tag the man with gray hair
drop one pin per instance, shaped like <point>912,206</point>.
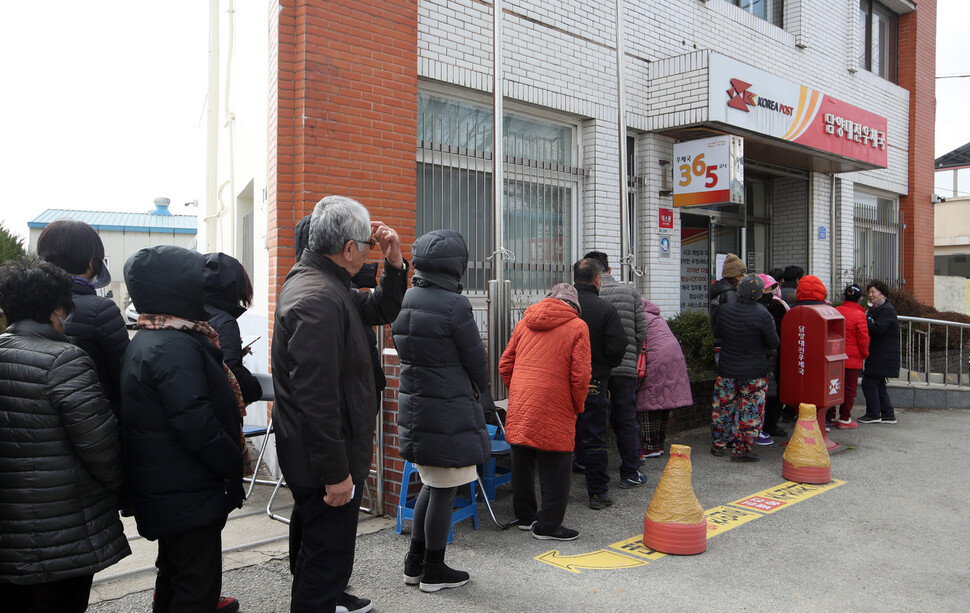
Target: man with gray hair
<point>324,414</point>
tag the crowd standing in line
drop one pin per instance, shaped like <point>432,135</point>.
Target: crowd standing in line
<point>179,390</point>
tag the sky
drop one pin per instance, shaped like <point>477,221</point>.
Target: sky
<point>102,103</point>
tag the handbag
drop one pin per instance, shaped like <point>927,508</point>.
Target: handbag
<point>642,364</point>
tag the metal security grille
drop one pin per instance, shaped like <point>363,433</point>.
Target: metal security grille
<point>454,161</point>
<point>878,232</point>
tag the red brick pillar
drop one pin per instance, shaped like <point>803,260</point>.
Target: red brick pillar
<point>343,119</point>
<point>917,73</point>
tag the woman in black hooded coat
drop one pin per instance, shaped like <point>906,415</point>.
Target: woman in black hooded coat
<point>444,381</point>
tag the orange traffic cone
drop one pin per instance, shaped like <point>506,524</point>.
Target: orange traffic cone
<point>806,459</point>
<point>675,522</point>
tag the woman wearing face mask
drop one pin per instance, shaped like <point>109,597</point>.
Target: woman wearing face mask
<point>883,358</point>
<point>96,324</point>
<point>60,454</point>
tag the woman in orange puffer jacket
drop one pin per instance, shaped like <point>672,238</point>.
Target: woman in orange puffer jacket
<point>547,368</point>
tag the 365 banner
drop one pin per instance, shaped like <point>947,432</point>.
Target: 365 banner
<point>709,171</point>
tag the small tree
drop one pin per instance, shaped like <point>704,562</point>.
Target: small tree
<point>11,245</point>
<point>693,331</point>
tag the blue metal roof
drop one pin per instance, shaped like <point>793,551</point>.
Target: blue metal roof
<point>121,222</point>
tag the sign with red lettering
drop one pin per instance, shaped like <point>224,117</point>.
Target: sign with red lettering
<point>750,98</point>
<point>667,218</point>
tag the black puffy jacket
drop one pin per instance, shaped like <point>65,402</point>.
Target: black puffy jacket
<point>97,327</point>
<point>607,338</point>
<point>181,420</point>
<point>444,367</point>
<point>883,360</point>
<point>60,461</point>
<point>224,280</point>
<point>747,333</point>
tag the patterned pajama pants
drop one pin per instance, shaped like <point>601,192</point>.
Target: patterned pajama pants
<point>739,404</point>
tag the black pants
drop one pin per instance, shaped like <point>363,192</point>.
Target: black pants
<point>65,596</point>
<point>623,420</point>
<point>553,468</point>
<point>189,571</point>
<point>591,428</point>
<point>326,558</point>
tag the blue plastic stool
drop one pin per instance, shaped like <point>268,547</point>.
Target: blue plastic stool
<point>464,507</point>
<point>494,475</point>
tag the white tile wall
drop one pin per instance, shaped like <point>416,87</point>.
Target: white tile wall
<point>560,55</point>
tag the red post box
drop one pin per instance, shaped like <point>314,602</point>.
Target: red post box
<point>812,356</point>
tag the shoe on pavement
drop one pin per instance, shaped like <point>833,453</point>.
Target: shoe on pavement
<point>559,534</point>
<point>888,420</point>
<point>718,451</point>
<point>527,525</point>
<point>348,603</point>
<point>640,479</point>
<point>227,605</point>
<point>654,454</point>
<point>865,419</point>
<point>763,439</point>
<point>745,457</point>
<point>776,431</point>
<point>845,424</point>
<point>413,567</point>
<point>600,501</point>
<point>439,576</point>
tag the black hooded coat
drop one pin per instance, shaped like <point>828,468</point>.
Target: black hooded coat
<point>180,417</point>
<point>224,281</point>
<point>444,367</point>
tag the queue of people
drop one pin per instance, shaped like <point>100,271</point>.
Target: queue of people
<point>153,426</point>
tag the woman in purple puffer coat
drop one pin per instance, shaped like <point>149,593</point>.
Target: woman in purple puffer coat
<point>665,386</point>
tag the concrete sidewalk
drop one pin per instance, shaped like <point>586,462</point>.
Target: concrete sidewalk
<point>890,538</point>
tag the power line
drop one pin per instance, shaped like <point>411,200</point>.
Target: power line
<point>954,76</point>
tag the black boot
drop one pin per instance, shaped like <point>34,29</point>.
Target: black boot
<point>414,563</point>
<point>437,575</point>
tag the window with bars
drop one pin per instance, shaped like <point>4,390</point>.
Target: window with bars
<point>454,177</point>
<point>877,231</point>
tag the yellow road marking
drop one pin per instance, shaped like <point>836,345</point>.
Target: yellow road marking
<point>601,559</point>
<point>720,519</point>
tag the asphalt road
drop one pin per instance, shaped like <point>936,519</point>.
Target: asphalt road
<point>892,537</point>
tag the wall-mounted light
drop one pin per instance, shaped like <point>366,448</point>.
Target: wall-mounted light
<point>937,198</point>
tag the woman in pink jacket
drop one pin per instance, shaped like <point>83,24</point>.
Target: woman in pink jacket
<point>856,347</point>
<point>665,386</point>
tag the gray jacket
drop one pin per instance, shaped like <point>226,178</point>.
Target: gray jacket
<point>626,300</point>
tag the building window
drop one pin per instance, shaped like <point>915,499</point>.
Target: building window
<point>878,36</point>
<point>877,230</point>
<point>454,178</point>
<point>769,10</point>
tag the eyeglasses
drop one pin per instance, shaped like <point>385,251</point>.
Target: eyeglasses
<point>371,243</point>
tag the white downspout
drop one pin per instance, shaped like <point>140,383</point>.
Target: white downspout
<point>212,130</point>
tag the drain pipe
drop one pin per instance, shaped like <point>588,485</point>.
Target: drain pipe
<point>832,234</point>
<point>212,130</point>
<point>626,260</point>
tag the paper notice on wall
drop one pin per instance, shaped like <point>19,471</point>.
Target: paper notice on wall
<point>719,266</point>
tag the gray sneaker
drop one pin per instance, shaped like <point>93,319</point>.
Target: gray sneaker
<point>640,479</point>
<point>600,501</point>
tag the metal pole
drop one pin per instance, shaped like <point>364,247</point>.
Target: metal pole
<point>626,263</point>
<point>499,289</point>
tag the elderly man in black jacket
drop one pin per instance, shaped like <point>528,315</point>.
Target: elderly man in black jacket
<point>607,342</point>
<point>60,454</point>
<point>747,333</point>
<point>325,399</point>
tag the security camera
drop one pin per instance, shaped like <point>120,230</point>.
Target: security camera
<point>937,198</point>
<point>192,203</point>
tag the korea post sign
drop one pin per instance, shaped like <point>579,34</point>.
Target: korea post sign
<point>709,171</point>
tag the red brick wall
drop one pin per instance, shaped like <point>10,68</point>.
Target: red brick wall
<point>343,119</point>
<point>917,73</point>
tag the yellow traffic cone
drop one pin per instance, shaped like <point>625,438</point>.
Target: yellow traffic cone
<point>675,522</point>
<point>806,459</point>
